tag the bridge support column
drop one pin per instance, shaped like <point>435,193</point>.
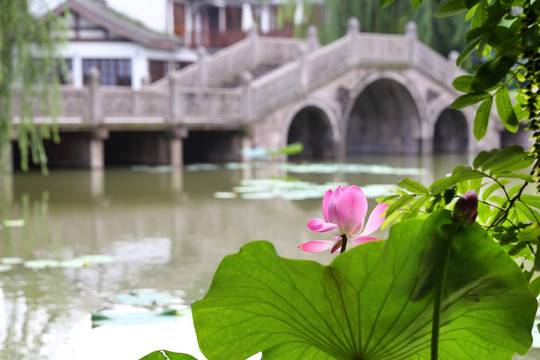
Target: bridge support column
<point>175,144</point>
<point>96,153</point>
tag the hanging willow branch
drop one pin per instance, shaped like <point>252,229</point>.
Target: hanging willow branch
<point>30,40</point>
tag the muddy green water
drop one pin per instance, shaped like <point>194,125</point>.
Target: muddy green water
<point>167,233</point>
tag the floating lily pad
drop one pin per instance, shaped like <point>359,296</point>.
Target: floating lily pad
<point>161,169</point>
<point>199,167</point>
<point>291,189</point>
<point>11,260</point>
<point>42,264</point>
<point>225,195</point>
<point>95,259</point>
<point>142,317</point>
<point>14,223</point>
<point>4,267</point>
<point>350,169</point>
<point>146,298</point>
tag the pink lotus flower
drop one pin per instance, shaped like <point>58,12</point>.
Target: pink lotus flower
<point>344,211</point>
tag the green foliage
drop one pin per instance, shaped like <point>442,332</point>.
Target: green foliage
<point>291,149</point>
<point>505,34</point>
<point>444,35</point>
<point>374,301</point>
<point>509,215</point>
<point>29,49</point>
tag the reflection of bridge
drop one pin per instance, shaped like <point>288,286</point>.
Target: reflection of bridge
<point>362,93</point>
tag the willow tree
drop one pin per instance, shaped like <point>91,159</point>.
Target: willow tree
<point>331,16</point>
<point>29,46</point>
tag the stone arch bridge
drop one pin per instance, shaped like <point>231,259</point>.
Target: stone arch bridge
<point>363,93</point>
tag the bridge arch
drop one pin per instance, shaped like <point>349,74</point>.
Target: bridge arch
<point>385,117</point>
<point>450,132</point>
<point>315,125</point>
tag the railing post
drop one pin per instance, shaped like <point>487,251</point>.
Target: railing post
<point>411,33</point>
<point>203,66</point>
<point>247,80</point>
<point>302,63</point>
<point>353,32</point>
<point>94,96</point>
<point>175,109</point>
<point>313,38</point>
<point>454,69</point>
<point>253,39</point>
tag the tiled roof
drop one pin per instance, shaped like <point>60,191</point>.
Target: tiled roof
<point>101,15</point>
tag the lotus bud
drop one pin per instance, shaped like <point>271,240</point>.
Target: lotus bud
<point>466,208</point>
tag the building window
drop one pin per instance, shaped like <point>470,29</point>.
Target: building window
<point>234,18</point>
<point>181,64</point>
<point>115,72</point>
<point>64,71</point>
<point>157,69</point>
<point>213,18</point>
<point>179,16</point>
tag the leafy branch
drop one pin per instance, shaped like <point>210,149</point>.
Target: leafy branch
<point>512,219</point>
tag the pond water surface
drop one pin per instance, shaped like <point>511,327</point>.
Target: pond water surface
<point>162,233</point>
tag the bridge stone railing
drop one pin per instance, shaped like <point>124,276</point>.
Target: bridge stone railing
<point>187,96</point>
<point>307,69</point>
<point>267,92</point>
<point>211,70</point>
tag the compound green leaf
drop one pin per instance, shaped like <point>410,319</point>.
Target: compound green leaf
<point>468,100</point>
<point>481,120</point>
<point>361,305</point>
<point>531,200</point>
<point>451,8</point>
<point>463,83</point>
<point>508,159</point>
<point>460,173</point>
<point>413,186</point>
<point>506,110</point>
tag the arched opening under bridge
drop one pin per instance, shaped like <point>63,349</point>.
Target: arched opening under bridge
<point>311,127</point>
<point>451,133</point>
<point>383,120</point>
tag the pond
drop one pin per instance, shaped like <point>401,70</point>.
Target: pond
<point>128,243</point>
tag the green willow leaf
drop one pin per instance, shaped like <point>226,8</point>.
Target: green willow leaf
<point>481,120</point>
<point>506,110</point>
<point>167,355</point>
<point>361,306</point>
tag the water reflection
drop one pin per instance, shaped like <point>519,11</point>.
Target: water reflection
<point>165,228</point>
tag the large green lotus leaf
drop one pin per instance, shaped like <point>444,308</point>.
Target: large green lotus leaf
<point>167,355</point>
<point>375,301</point>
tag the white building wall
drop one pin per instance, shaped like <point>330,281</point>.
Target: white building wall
<point>107,50</point>
<point>139,56</point>
<point>152,13</point>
